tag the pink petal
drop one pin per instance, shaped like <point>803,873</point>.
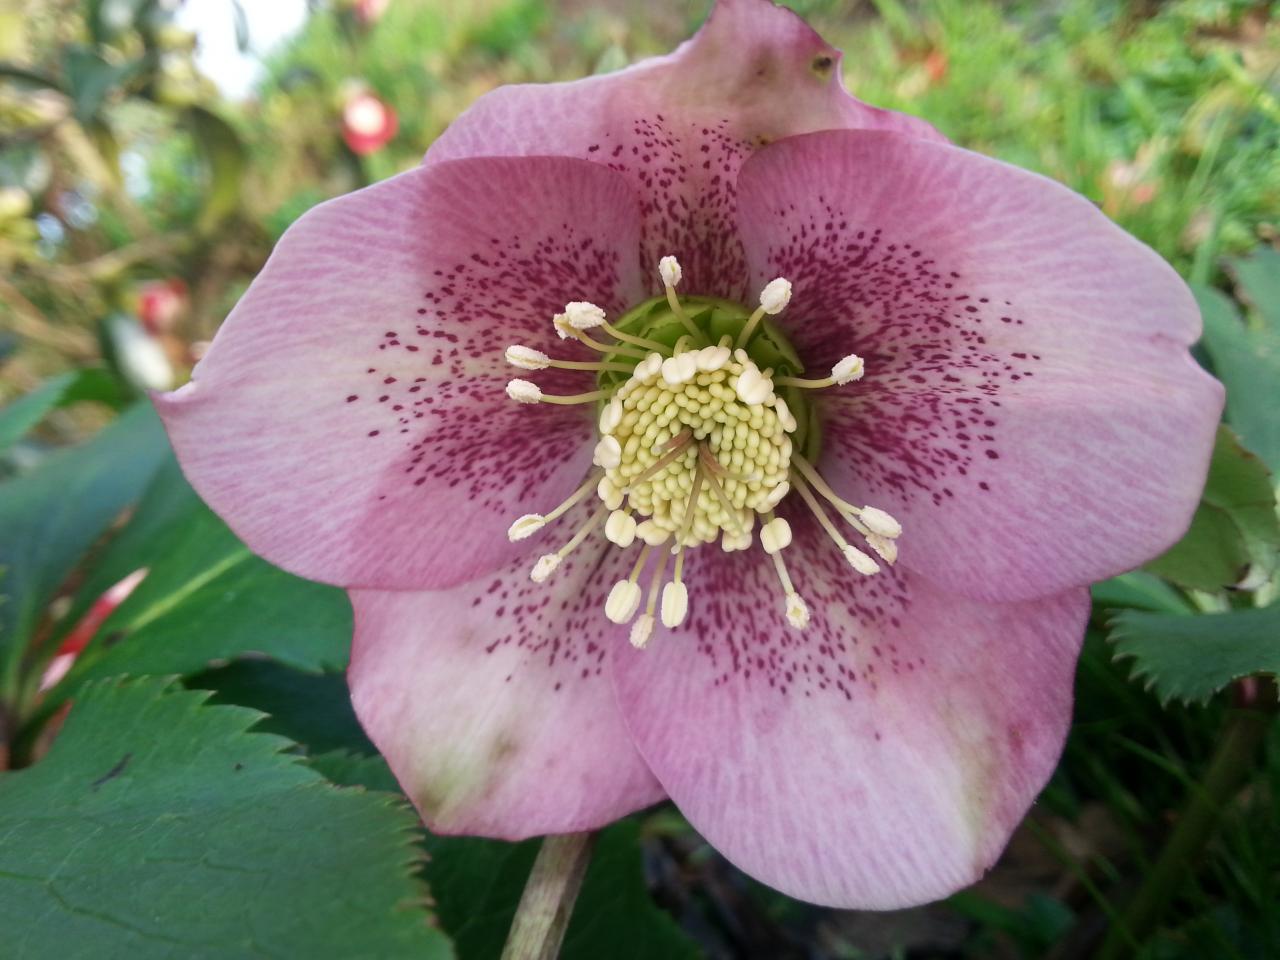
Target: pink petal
<point>881,757</point>
<point>1030,410</point>
<point>350,421</point>
<point>491,702</point>
<point>679,127</point>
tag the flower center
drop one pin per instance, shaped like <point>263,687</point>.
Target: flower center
<point>704,429</point>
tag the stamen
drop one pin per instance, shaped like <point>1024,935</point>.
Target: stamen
<point>608,453</point>
<point>846,371</point>
<point>548,562</point>
<point>566,332</point>
<point>797,612</point>
<point>528,358</point>
<point>625,595</point>
<point>581,315</point>
<point>642,630</point>
<point>609,494</point>
<point>775,535</point>
<point>887,549</point>
<point>753,387</point>
<point>523,391</point>
<point>670,272</point>
<point>855,557</point>
<point>620,528</point>
<point>611,416</point>
<point>773,300</point>
<point>679,369</point>
<point>675,597</point>
<point>531,523</point>
<point>854,515</point>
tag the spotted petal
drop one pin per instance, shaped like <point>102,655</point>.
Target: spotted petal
<point>1030,410</point>
<point>679,127</point>
<point>492,703</point>
<point>878,759</point>
<point>350,421</point>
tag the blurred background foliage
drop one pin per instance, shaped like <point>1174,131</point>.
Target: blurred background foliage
<point>137,201</point>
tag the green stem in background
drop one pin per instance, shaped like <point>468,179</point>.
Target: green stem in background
<point>1244,732</point>
<point>548,898</point>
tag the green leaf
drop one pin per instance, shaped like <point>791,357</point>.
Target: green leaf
<point>205,599</point>
<point>1235,524</point>
<point>158,827</point>
<point>225,159</point>
<point>91,79</point>
<point>477,883</point>
<point>50,516</point>
<point>1141,590</point>
<point>1258,277</point>
<point>1247,360</point>
<point>313,709</point>
<point>22,414</point>
<point>1191,657</point>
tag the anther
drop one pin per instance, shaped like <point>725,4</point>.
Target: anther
<point>669,270</point>
<point>623,601</point>
<point>608,453</point>
<point>775,535</point>
<point>531,523</point>
<point>609,493</point>
<point>773,300</point>
<point>620,528</point>
<point>526,526</point>
<point>880,523</point>
<point>582,315</point>
<point>679,369</point>
<point>524,391</point>
<point>752,386</point>
<point>886,548</point>
<point>545,566</point>
<point>852,555</point>
<point>641,631</point>
<point>675,604</point>
<point>611,416</point>
<point>527,358</point>
<point>624,597</point>
<point>846,371</point>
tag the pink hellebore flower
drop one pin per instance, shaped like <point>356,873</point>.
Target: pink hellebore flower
<point>1008,377</point>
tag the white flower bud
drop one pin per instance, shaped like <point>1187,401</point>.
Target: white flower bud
<point>679,369</point>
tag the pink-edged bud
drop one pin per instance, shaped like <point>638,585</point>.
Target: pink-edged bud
<point>369,12</point>
<point>161,303</point>
<point>368,123</point>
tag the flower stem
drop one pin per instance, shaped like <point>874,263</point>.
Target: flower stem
<point>1244,732</point>
<point>548,898</point>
